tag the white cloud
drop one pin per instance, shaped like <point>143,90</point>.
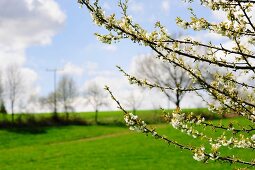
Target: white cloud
<point>25,23</point>
<point>11,55</point>
<point>71,69</point>
<point>165,5</point>
<point>150,99</point>
<point>122,90</point>
<point>29,22</point>
<point>29,78</point>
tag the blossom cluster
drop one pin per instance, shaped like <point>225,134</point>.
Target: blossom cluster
<point>134,123</point>
<point>199,154</point>
<point>180,121</point>
<point>177,119</point>
<point>235,142</point>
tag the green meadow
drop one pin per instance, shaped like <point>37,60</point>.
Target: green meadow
<point>113,117</point>
<point>109,145</point>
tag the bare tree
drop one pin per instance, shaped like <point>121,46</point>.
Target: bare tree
<point>96,97</point>
<point>164,74</point>
<point>13,85</point>
<point>32,104</point>
<point>133,101</point>
<point>66,93</point>
<point>49,102</point>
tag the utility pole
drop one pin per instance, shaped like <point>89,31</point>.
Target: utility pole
<point>55,70</point>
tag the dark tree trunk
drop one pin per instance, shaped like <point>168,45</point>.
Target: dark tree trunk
<point>12,117</point>
<point>55,116</point>
<point>96,115</point>
<point>177,103</point>
<point>12,105</point>
<point>67,114</point>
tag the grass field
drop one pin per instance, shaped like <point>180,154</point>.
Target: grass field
<point>98,147</point>
<point>114,117</point>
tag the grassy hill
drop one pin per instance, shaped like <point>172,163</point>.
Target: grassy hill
<point>96,147</point>
<point>99,147</point>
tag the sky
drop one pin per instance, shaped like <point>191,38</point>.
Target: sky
<point>37,35</point>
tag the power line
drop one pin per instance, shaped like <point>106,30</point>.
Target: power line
<point>55,70</point>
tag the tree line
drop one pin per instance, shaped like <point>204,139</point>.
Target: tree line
<point>12,89</point>
<point>63,98</point>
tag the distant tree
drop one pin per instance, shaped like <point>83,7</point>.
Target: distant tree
<point>32,104</point>
<point>166,75</point>
<point>2,106</point>
<point>133,101</point>
<point>49,102</point>
<point>96,97</point>
<point>13,85</point>
<point>66,93</point>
